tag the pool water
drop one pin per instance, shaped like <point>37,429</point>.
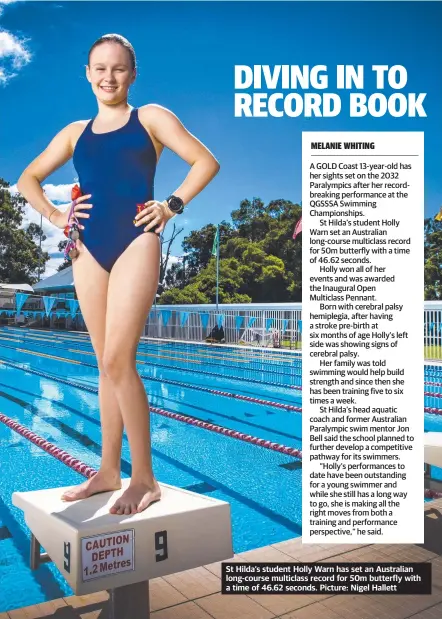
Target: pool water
<point>48,383</point>
<point>433,423</point>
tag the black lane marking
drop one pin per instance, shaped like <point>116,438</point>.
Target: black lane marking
<point>43,576</point>
<point>202,488</point>
<point>291,525</point>
<point>292,466</point>
<point>4,533</point>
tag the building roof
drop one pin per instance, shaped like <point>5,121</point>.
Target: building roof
<point>62,280</point>
<point>17,287</point>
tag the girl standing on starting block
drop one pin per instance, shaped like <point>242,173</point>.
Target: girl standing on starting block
<point>116,258</point>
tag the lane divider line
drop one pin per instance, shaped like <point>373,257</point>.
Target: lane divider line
<point>253,350</point>
<point>145,354</point>
<point>290,374</point>
<point>73,463</point>
<point>248,438</point>
<point>41,354</point>
<point>227,394</point>
<point>257,354</point>
<point>432,411</point>
<point>432,494</point>
<point>222,353</point>
<point>171,367</point>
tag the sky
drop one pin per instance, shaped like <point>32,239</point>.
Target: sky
<point>186,54</point>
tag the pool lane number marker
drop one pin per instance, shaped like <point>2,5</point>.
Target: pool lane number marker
<point>161,552</point>
<point>107,554</point>
<point>67,557</point>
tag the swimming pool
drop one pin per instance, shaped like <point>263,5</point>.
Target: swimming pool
<point>433,406</point>
<point>48,383</point>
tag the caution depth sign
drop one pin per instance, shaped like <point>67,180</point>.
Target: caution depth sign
<point>107,554</point>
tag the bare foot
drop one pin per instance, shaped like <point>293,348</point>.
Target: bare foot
<point>101,482</point>
<point>136,498</point>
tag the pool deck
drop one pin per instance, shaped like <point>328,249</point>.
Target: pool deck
<point>195,594</point>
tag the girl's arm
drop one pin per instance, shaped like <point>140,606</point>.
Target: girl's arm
<point>168,131</point>
<point>53,157</point>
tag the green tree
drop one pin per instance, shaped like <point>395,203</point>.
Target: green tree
<point>249,219</point>
<point>21,259</point>
<point>177,277</point>
<point>66,263</point>
<point>432,259</point>
<point>198,246</point>
<point>189,295</point>
<point>166,246</point>
<point>259,260</point>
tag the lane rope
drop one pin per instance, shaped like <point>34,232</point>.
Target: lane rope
<point>432,411</point>
<point>254,352</point>
<point>248,438</point>
<point>73,463</point>
<point>432,494</point>
<point>289,374</point>
<point>199,371</point>
<point>87,471</point>
<point>227,394</point>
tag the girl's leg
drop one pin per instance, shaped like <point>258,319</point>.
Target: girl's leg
<point>91,285</point>
<point>133,284</point>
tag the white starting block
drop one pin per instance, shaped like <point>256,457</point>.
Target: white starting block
<point>95,550</point>
<point>433,448</point>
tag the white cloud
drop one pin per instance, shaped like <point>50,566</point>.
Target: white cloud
<point>4,2</point>
<point>58,193</point>
<point>3,78</point>
<point>50,244</point>
<point>54,235</point>
<point>173,260</point>
<point>13,55</point>
<point>51,267</point>
<point>7,1</point>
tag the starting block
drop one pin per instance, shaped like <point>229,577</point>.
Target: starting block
<point>95,550</point>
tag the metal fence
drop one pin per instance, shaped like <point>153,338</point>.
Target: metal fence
<point>286,321</point>
<point>433,330</point>
<point>270,319</point>
<point>273,324</point>
<point>33,312</point>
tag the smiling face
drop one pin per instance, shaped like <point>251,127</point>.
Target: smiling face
<point>110,72</point>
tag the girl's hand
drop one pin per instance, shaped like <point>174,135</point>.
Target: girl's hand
<point>155,214</point>
<point>61,219</point>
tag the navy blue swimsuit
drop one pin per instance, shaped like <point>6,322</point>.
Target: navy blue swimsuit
<point>117,168</point>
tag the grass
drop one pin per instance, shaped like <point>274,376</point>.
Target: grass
<point>293,345</point>
<point>433,353</point>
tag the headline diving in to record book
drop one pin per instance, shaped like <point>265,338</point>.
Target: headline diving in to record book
<point>283,82</point>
